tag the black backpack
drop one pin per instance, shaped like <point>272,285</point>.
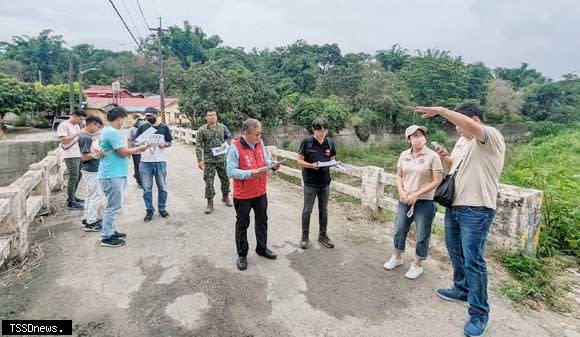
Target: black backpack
<point>310,142</point>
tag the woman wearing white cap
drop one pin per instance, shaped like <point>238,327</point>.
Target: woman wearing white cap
<point>419,172</point>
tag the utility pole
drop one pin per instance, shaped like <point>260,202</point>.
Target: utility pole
<point>40,76</point>
<point>70,84</point>
<point>160,30</point>
<point>80,84</point>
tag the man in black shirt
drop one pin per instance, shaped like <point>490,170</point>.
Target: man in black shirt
<point>90,154</point>
<point>314,149</point>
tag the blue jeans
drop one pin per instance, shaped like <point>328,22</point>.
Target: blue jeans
<point>466,231</point>
<point>113,189</point>
<point>158,171</point>
<point>423,215</point>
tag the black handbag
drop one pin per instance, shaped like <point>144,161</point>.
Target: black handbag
<point>445,192</point>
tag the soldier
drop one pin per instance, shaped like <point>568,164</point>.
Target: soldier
<point>211,157</point>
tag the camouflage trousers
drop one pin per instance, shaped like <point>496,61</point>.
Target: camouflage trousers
<point>209,175</point>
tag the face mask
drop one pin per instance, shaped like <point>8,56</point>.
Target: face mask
<point>151,119</point>
<point>418,141</point>
<point>140,122</point>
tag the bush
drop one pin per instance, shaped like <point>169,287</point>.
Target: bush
<point>535,279</point>
<point>542,129</point>
<point>23,120</point>
<point>551,165</point>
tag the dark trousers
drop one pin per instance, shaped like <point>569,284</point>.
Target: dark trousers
<point>311,193</point>
<point>136,162</point>
<point>243,208</point>
<point>73,167</point>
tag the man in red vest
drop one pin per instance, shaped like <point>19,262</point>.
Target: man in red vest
<point>248,163</point>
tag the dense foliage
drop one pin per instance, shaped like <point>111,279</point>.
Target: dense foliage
<point>376,90</point>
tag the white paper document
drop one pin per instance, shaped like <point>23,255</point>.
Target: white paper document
<point>218,151</point>
<point>332,163</point>
<point>271,166</point>
<point>144,137</point>
<point>327,163</point>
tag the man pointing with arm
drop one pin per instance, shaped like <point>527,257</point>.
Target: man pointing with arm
<point>478,157</point>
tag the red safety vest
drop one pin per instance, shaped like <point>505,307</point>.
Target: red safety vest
<point>250,159</point>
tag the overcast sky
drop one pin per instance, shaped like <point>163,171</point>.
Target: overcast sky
<point>543,33</point>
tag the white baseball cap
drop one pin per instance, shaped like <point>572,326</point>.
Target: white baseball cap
<point>411,130</point>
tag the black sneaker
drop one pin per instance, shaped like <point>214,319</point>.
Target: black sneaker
<point>112,242</point>
<point>93,227</point>
<point>325,241</point>
<point>242,263</point>
<point>75,205</point>
<point>119,235</point>
<point>148,216</point>
<point>304,241</point>
<point>80,201</point>
<point>164,213</point>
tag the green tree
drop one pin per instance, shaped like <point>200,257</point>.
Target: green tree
<point>236,93</point>
<point>44,52</point>
<point>383,101</point>
<point>554,101</point>
<point>436,78</point>
<point>520,77</point>
<point>393,59</point>
<point>332,108</point>
<point>479,77</point>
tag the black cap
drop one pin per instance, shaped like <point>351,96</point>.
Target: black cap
<point>151,110</point>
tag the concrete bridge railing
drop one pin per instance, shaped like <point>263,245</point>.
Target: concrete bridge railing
<point>25,198</point>
<point>518,216</point>
<point>516,224</point>
<point>187,136</point>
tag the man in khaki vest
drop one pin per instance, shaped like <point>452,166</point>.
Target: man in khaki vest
<point>478,157</point>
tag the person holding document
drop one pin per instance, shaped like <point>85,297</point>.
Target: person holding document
<point>213,139</point>
<point>248,163</point>
<point>315,153</point>
<point>419,172</point>
<point>153,162</point>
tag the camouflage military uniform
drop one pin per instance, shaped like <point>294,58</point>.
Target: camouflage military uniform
<point>206,140</point>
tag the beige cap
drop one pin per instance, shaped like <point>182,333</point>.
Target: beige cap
<point>411,130</point>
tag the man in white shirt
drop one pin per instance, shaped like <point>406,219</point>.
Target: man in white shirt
<point>153,163</point>
<point>68,134</point>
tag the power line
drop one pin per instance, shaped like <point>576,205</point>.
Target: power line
<point>124,23</point>
<point>142,15</point>
<point>132,20</point>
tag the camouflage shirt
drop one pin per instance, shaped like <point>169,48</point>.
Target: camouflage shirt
<point>209,138</point>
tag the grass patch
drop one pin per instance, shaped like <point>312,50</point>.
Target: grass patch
<point>552,164</point>
<point>382,215</point>
<point>291,179</point>
<point>437,230</point>
<point>535,283</point>
<point>341,197</point>
<point>385,156</point>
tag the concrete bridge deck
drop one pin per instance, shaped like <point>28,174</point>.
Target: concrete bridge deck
<point>177,276</point>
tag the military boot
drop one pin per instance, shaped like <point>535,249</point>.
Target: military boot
<point>226,200</point>
<point>209,207</point>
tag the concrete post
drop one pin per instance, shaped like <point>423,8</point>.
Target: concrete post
<point>60,169</point>
<point>372,187</point>
<point>17,207</point>
<point>44,185</point>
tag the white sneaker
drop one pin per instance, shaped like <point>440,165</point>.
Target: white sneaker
<point>414,272</point>
<point>393,263</point>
